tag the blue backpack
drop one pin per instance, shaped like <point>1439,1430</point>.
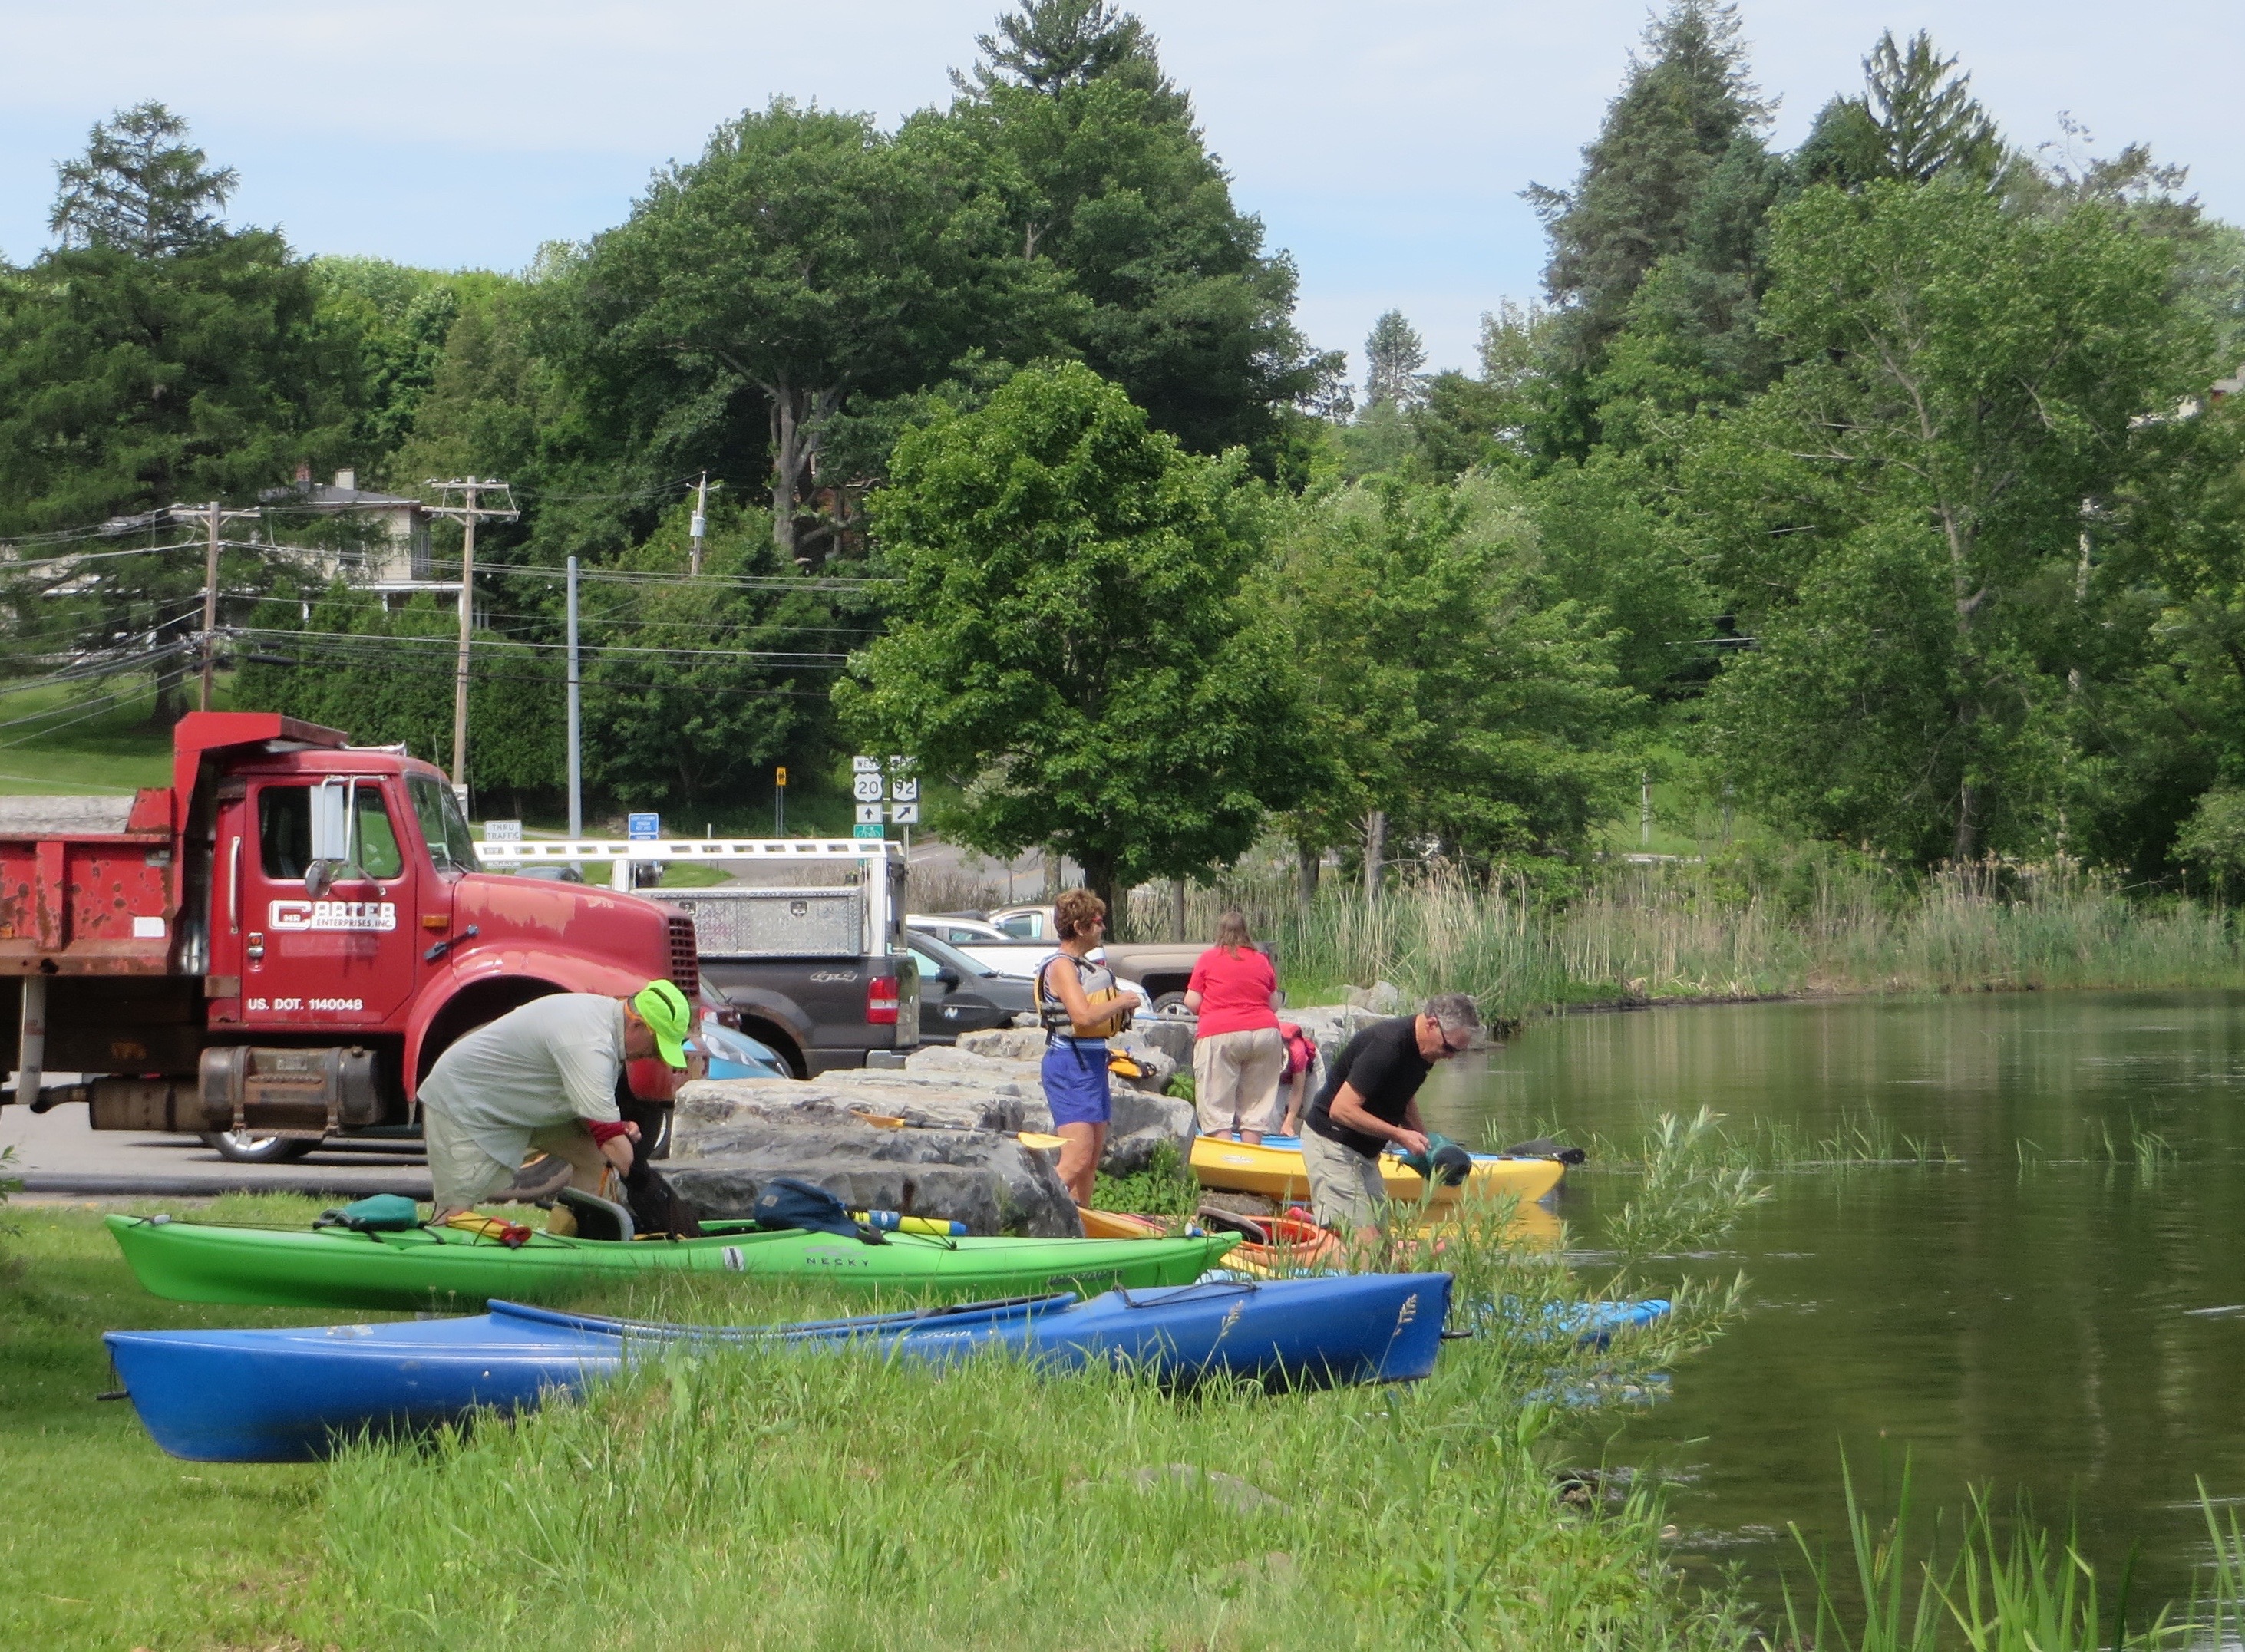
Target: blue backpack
<point>785,1203</point>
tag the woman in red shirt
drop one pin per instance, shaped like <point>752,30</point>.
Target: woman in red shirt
<point>1238,1057</point>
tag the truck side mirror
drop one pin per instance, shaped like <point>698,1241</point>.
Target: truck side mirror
<point>320,878</point>
<point>331,820</point>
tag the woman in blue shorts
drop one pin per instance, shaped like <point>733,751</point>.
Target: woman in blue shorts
<point>1079,1005</point>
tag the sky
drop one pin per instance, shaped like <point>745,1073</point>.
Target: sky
<point>1383,145</point>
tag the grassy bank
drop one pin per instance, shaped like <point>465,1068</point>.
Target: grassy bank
<point>755,1500</point>
<point>1807,921</point>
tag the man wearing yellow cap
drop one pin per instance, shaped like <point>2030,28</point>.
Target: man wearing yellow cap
<point>543,1078</point>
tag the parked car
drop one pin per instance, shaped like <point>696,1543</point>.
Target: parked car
<point>735,1055</point>
<point>959,928</point>
<point>1165,967</point>
<point>959,995</point>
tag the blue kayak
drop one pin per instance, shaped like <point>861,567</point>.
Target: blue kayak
<point>287,1396</point>
<point>1594,1324</point>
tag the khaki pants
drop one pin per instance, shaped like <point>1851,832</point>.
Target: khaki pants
<point>1346,1191</point>
<point>1236,1080</point>
<point>463,1175</point>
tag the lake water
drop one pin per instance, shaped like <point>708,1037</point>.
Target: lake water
<point>2030,1319</point>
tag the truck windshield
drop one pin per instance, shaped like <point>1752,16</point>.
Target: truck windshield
<point>450,844</point>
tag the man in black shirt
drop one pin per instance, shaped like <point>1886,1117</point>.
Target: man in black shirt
<point>1371,1098</point>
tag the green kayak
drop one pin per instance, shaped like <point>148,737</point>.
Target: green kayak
<point>423,1268</point>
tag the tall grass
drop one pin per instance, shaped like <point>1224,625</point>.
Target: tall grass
<point>1812,921</point>
<point>2009,1586</point>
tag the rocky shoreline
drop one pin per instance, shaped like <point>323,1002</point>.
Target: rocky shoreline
<point>942,1136</point>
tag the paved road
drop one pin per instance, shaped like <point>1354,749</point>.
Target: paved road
<point>57,1156</point>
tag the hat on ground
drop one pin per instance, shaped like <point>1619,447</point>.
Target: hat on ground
<point>663,1007</point>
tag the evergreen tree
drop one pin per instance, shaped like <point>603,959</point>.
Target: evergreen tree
<point>1169,290</point>
<point>1394,359</point>
<point>140,187</point>
<point>1050,45</point>
<point>1914,120</point>
<point>1684,106</point>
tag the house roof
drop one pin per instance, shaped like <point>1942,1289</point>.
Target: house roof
<point>335,498</point>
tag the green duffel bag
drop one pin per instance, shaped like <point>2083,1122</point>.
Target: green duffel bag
<point>382,1212</point>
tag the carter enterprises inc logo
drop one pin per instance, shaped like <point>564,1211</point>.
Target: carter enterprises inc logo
<point>333,915</point>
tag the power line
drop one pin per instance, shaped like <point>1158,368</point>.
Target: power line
<point>377,641</point>
<point>438,567</point>
<point>485,675</point>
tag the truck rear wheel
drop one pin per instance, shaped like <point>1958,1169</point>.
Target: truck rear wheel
<point>252,1147</point>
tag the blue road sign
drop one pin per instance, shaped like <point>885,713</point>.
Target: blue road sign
<point>643,828</point>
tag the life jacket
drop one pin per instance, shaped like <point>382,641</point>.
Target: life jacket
<point>1098,983</point>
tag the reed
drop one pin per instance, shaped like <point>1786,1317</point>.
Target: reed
<point>2008,1585</point>
<point>1812,920</point>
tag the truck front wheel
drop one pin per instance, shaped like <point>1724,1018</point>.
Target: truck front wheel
<point>251,1147</point>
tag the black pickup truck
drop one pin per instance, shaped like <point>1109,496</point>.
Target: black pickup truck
<point>822,973</point>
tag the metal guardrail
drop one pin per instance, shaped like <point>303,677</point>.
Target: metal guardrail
<point>621,853</point>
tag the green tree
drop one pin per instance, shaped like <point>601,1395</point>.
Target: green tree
<point>1068,642</point>
<point>387,678</point>
<point>1452,693</point>
<point>156,358</point>
<point>1914,120</point>
<point>1112,186</point>
<point>1900,519</point>
<point>399,319</point>
<point>140,187</point>
<point>1687,105</point>
<point>805,258</point>
<point>1050,45</point>
<point>696,690</point>
<point>1394,364</point>
<point>1489,419</point>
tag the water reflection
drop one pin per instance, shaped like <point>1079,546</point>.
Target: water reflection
<point>2030,1318</point>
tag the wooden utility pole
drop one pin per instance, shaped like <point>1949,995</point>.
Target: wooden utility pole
<point>210,597</point>
<point>467,514</point>
<point>699,527</point>
<point>215,515</point>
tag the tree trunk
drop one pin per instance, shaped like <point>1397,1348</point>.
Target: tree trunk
<point>1375,850</point>
<point>788,464</point>
<point>798,424</point>
<point>1099,877</point>
<point>1178,910</point>
<point>1967,839</point>
<point>171,702</point>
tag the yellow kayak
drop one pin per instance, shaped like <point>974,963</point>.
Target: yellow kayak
<point>1274,1169</point>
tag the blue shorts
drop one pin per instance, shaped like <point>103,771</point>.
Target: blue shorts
<point>1075,1074</point>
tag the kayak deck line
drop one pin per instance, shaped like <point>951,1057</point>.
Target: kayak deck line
<point>422,1268</point>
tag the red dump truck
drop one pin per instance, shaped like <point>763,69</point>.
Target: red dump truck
<point>277,946</point>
